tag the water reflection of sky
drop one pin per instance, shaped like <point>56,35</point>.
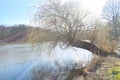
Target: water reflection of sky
<point>19,59</point>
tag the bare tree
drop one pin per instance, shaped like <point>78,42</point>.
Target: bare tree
<point>112,14</point>
<point>65,18</point>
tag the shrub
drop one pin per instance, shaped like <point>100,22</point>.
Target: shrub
<point>104,40</point>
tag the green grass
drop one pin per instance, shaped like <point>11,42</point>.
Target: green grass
<point>115,72</point>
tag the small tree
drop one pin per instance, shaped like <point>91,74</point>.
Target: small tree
<point>67,18</point>
<point>112,15</point>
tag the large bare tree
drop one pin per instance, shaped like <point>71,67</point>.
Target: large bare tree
<point>62,17</point>
<point>112,14</point>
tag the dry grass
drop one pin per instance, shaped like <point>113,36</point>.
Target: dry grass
<point>104,40</point>
<point>46,35</point>
<point>40,35</point>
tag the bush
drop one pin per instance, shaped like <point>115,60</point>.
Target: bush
<point>104,40</point>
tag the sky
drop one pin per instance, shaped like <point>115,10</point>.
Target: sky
<point>96,6</point>
<point>18,11</point>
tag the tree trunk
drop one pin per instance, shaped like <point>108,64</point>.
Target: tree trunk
<point>91,47</point>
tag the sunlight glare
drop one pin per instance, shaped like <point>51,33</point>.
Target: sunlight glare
<point>95,6</point>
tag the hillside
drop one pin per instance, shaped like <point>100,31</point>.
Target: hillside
<point>22,33</point>
<point>13,33</point>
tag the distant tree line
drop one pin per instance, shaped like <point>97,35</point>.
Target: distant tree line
<point>6,31</point>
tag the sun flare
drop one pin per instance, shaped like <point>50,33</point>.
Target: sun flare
<point>94,6</point>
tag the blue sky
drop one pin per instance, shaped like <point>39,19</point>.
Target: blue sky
<point>15,11</point>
